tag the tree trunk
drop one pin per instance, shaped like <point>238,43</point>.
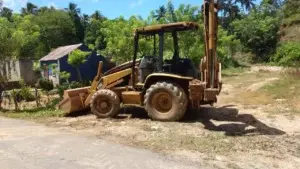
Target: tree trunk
<point>48,97</point>
<point>16,104</point>
<point>37,97</point>
<point>79,74</point>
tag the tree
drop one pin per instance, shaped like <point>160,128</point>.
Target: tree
<point>97,15</point>
<point>7,13</point>
<point>119,37</point>
<point>160,13</point>
<point>28,38</point>
<point>258,31</point>
<point>29,9</point>
<point>7,44</point>
<point>85,20</point>
<point>77,58</point>
<point>74,12</point>
<point>56,29</point>
<point>171,11</point>
<point>1,4</point>
<point>247,4</point>
<point>230,11</point>
<point>94,38</point>
<point>291,12</point>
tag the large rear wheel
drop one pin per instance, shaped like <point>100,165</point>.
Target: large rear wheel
<point>105,103</point>
<point>165,102</point>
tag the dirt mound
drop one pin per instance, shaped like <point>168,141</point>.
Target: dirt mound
<point>256,86</point>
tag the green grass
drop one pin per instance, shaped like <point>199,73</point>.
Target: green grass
<point>285,92</point>
<point>36,113</point>
<point>234,71</point>
<point>32,114</point>
<point>286,88</point>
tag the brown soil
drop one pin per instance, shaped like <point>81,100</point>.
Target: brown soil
<point>244,130</point>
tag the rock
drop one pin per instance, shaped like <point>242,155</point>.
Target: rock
<point>219,158</point>
<point>154,127</point>
<point>280,100</point>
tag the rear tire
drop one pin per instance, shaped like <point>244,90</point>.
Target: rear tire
<point>165,102</point>
<point>105,103</point>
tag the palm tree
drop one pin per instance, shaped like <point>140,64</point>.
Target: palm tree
<point>275,3</point>
<point>29,9</point>
<point>160,13</point>
<point>229,10</point>
<point>1,4</point>
<point>97,15</point>
<point>73,10</point>
<point>85,20</point>
<point>233,11</point>
<point>247,4</point>
<point>74,13</point>
<point>7,13</point>
<point>170,10</point>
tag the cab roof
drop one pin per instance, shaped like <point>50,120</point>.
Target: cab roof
<point>178,26</point>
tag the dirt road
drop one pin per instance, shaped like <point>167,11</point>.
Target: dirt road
<point>28,145</point>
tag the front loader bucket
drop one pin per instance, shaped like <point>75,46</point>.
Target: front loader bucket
<point>74,100</point>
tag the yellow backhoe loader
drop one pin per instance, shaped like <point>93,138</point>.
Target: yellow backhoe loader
<point>165,88</point>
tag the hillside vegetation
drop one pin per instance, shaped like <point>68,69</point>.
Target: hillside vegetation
<point>246,28</point>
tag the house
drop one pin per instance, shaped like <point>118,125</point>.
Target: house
<point>57,61</point>
<point>16,70</point>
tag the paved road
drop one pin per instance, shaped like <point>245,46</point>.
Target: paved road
<point>26,145</point>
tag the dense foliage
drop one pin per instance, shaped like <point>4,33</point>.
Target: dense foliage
<point>245,26</point>
<point>258,31</point>
<point>76,58</point>
<point>288,54</point>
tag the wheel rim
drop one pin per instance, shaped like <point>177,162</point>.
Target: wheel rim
<point>162,102</point>
<point>103,105</point>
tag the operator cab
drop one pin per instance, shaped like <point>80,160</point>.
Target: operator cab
<point>156,62</point>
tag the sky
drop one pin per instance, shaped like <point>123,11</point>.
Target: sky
<point>109,8</point>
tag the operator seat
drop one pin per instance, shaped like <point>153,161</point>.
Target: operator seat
<point>147,66</point>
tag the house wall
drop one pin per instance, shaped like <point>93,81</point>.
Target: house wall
<point>49,73</point>
<point>27,73</point>
<point>16,70</point>
<point>88,70</point>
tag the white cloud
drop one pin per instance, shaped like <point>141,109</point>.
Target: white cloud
<point>52,4</point>
<point>13,4</point>
<point>136,3</point>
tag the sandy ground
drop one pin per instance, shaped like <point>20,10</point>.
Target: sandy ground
<point>246,129</point>
<point>30,146</point>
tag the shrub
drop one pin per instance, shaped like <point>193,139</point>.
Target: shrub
<point>288,54</point>
<point>26,94</point>
<point>65,86</point>
<point>46,84</point>
<point>61,88</point>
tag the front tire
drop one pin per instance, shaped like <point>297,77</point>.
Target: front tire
<point>165,102</point>
<point>105,103</point>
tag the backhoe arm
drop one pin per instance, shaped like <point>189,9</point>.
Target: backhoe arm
<point>210,67</point>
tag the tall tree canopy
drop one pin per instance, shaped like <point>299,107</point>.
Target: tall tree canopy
<point>29,9</point>
<point>245,26</point>
<point>75,13</point>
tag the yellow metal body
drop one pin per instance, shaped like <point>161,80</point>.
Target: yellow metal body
<point>79,99</point>
<point>109,79</point>
<point>132,97</point>
<point>168,75</point>
<point>204,91</point>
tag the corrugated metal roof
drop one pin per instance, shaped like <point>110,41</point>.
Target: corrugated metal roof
<point>60,52</point>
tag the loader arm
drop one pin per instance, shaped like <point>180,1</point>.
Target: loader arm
<point>97,79</point>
